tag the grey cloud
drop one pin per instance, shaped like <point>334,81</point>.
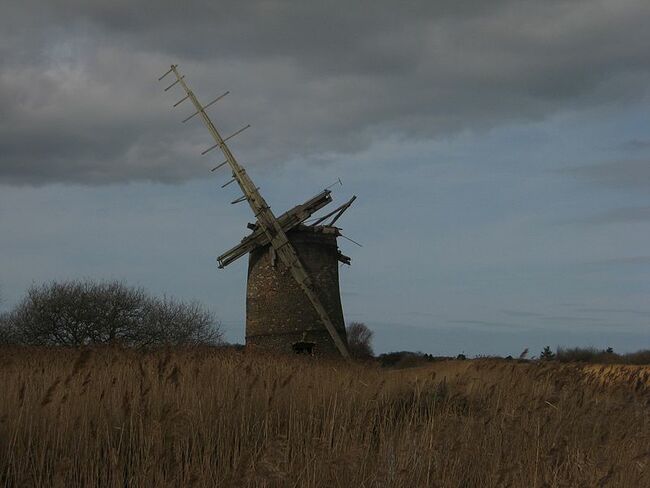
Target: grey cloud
<point>613,311</point>
<point>484,323</point>
<point>615,216</point>
<point>420,314</point>
<point>631,174</point>
<point>520,313</point>
<point>570,318</point>
<point>315,79</point>
<point>616,262</point>
<point>635,145</point>
<point>536,317</point>
<point>628,260</point>
<point>539,317</point>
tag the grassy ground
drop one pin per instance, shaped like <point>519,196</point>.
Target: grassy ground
<point>203,417</point>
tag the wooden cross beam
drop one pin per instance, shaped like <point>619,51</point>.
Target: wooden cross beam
<point>287,221</point>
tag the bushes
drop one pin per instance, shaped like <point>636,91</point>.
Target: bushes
<point>639,357</point>
<point>359,340</point>
<point>409,359</point>
<point>405,359</point>
<point>78,313</point>
<point>593,355</point>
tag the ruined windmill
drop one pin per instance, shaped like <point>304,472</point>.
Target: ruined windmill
<point>292,300</point>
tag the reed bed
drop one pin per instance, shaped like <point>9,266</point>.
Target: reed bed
<point>210,417</point>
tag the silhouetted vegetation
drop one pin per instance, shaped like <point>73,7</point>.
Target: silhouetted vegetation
<point>408,359</point>
<point>76,313</point>
<point>547,354</point>
<point>593,355</point>
<point>359,340</point>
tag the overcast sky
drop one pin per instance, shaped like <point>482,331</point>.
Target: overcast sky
<point>500,152</point>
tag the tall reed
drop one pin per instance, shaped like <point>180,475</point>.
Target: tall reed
<point>209,417</point>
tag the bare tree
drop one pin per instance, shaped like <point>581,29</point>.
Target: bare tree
<point>6,332</point>
<point>359,340</point>
<point>84,312</point>
<point>6,335</point>
<point>175,322</point>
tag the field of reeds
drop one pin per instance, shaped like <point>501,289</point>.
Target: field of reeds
<point>211,417</point>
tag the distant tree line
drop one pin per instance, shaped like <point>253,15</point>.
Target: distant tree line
<point>408,359</point>
<point>76,313</point>
<point>594,355</point>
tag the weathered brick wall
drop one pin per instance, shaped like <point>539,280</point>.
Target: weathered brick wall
<point>277,311</point>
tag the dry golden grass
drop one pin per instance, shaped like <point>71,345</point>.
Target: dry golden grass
<point>205,417</point>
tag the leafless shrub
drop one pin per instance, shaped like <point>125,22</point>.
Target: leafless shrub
<point>359,340</point>
<point>78,313</point>
<point>7,333</point>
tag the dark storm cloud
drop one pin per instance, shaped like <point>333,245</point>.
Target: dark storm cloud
<point>80,101</point>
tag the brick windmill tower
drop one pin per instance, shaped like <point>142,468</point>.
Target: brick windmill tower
<point>293,302</point>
